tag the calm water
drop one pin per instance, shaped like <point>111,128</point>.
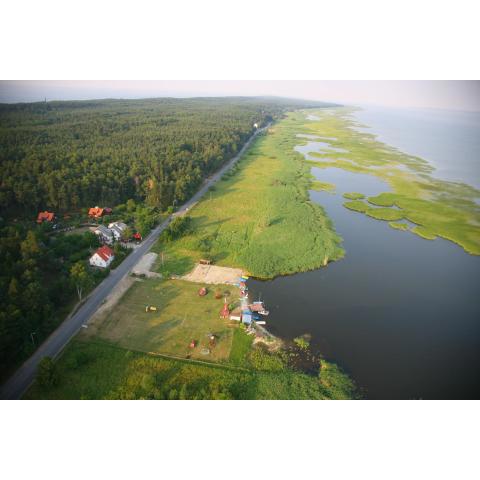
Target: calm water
<point>450,141</point>
<point>399,313</point>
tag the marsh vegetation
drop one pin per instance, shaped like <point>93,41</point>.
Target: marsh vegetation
<point>439,208</point>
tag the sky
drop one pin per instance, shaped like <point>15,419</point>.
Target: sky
<point>448,95</point>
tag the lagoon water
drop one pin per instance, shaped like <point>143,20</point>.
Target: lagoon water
<point>450,141</point>
<point>399,313</point>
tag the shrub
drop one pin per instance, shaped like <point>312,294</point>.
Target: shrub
<point>177,228</point>
<point>47,375</point>
<point>302,343</point>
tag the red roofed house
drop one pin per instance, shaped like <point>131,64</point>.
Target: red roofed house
<point>45,217</point>
<point>95,212</point>
<point>103,257</point>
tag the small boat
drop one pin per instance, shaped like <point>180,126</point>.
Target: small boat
<point>259,307</point>
<point>260,322</point>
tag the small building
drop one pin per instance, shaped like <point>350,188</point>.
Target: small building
<point>247,317</point>
<point>102,258</point>
<point>255,125</point>
<point>104,234</point>
<point>236,314</point>
<point>96,212</point>
<point>45,217</point>
<point>117,229</point>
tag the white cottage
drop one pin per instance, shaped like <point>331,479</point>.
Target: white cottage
<point>102,258</point>
<point>117,229</point>
<point>104,234</point>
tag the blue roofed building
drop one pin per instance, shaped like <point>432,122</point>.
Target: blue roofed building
<point>247,317</point>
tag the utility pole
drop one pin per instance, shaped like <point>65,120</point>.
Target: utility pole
<point>31,336</point>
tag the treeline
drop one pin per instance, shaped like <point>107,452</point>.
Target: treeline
<point>67,155</point>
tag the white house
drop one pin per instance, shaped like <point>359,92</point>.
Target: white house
<point>103,257</point>
<point>117,229</point>
<point>105,234</point>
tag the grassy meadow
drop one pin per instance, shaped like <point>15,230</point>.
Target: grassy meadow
<point>439,208</point>
<point>259,217</point>
<point>181,316</point>
<point>99,370</point>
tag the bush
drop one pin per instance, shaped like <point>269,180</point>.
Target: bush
<point>261,360</point>
<point>177,228</point>
<point>47,375</point>
<point>302,343</point>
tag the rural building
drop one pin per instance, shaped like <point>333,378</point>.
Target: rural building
<point>117,229</point>
<point>45,217</point>
<point>95,212</point>
<point>102,258</point>
<point>98,212</point>
<point>105,234</point>
<point>247,317</point>
<point>236,314</point>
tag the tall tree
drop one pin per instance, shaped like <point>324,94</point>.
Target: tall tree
<point>80,277</point>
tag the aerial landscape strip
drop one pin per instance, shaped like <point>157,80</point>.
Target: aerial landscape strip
<point>21,380</point>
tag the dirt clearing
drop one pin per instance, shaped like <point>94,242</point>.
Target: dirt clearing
<point>212,274</point>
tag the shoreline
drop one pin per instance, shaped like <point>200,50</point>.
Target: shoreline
<point>442,208</point>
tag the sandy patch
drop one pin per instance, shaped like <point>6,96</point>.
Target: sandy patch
<point>144,264</point>
<point>212,274</point>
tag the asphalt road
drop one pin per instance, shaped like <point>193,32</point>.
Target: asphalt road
<point>16,385</point>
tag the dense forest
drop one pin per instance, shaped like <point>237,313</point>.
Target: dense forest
<point>140,156</point>
<point>64,155</point>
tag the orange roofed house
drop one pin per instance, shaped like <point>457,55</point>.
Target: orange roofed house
<point>95,212</point>
<point>45,217</point>
<point>98,212</point>
<point>103,257</point>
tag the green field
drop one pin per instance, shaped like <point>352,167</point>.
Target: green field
<point>440,208</point>
<point>97,370</point>
<point>259,217</point>
<point>130,354</point>
<point>181,316</point>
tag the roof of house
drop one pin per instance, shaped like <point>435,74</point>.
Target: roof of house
<point>104,230</point>
<point>120,225</point>
<point>104,253</point>
<point>114,228</point>
<point>96,211</point>
<point>48,216</point>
